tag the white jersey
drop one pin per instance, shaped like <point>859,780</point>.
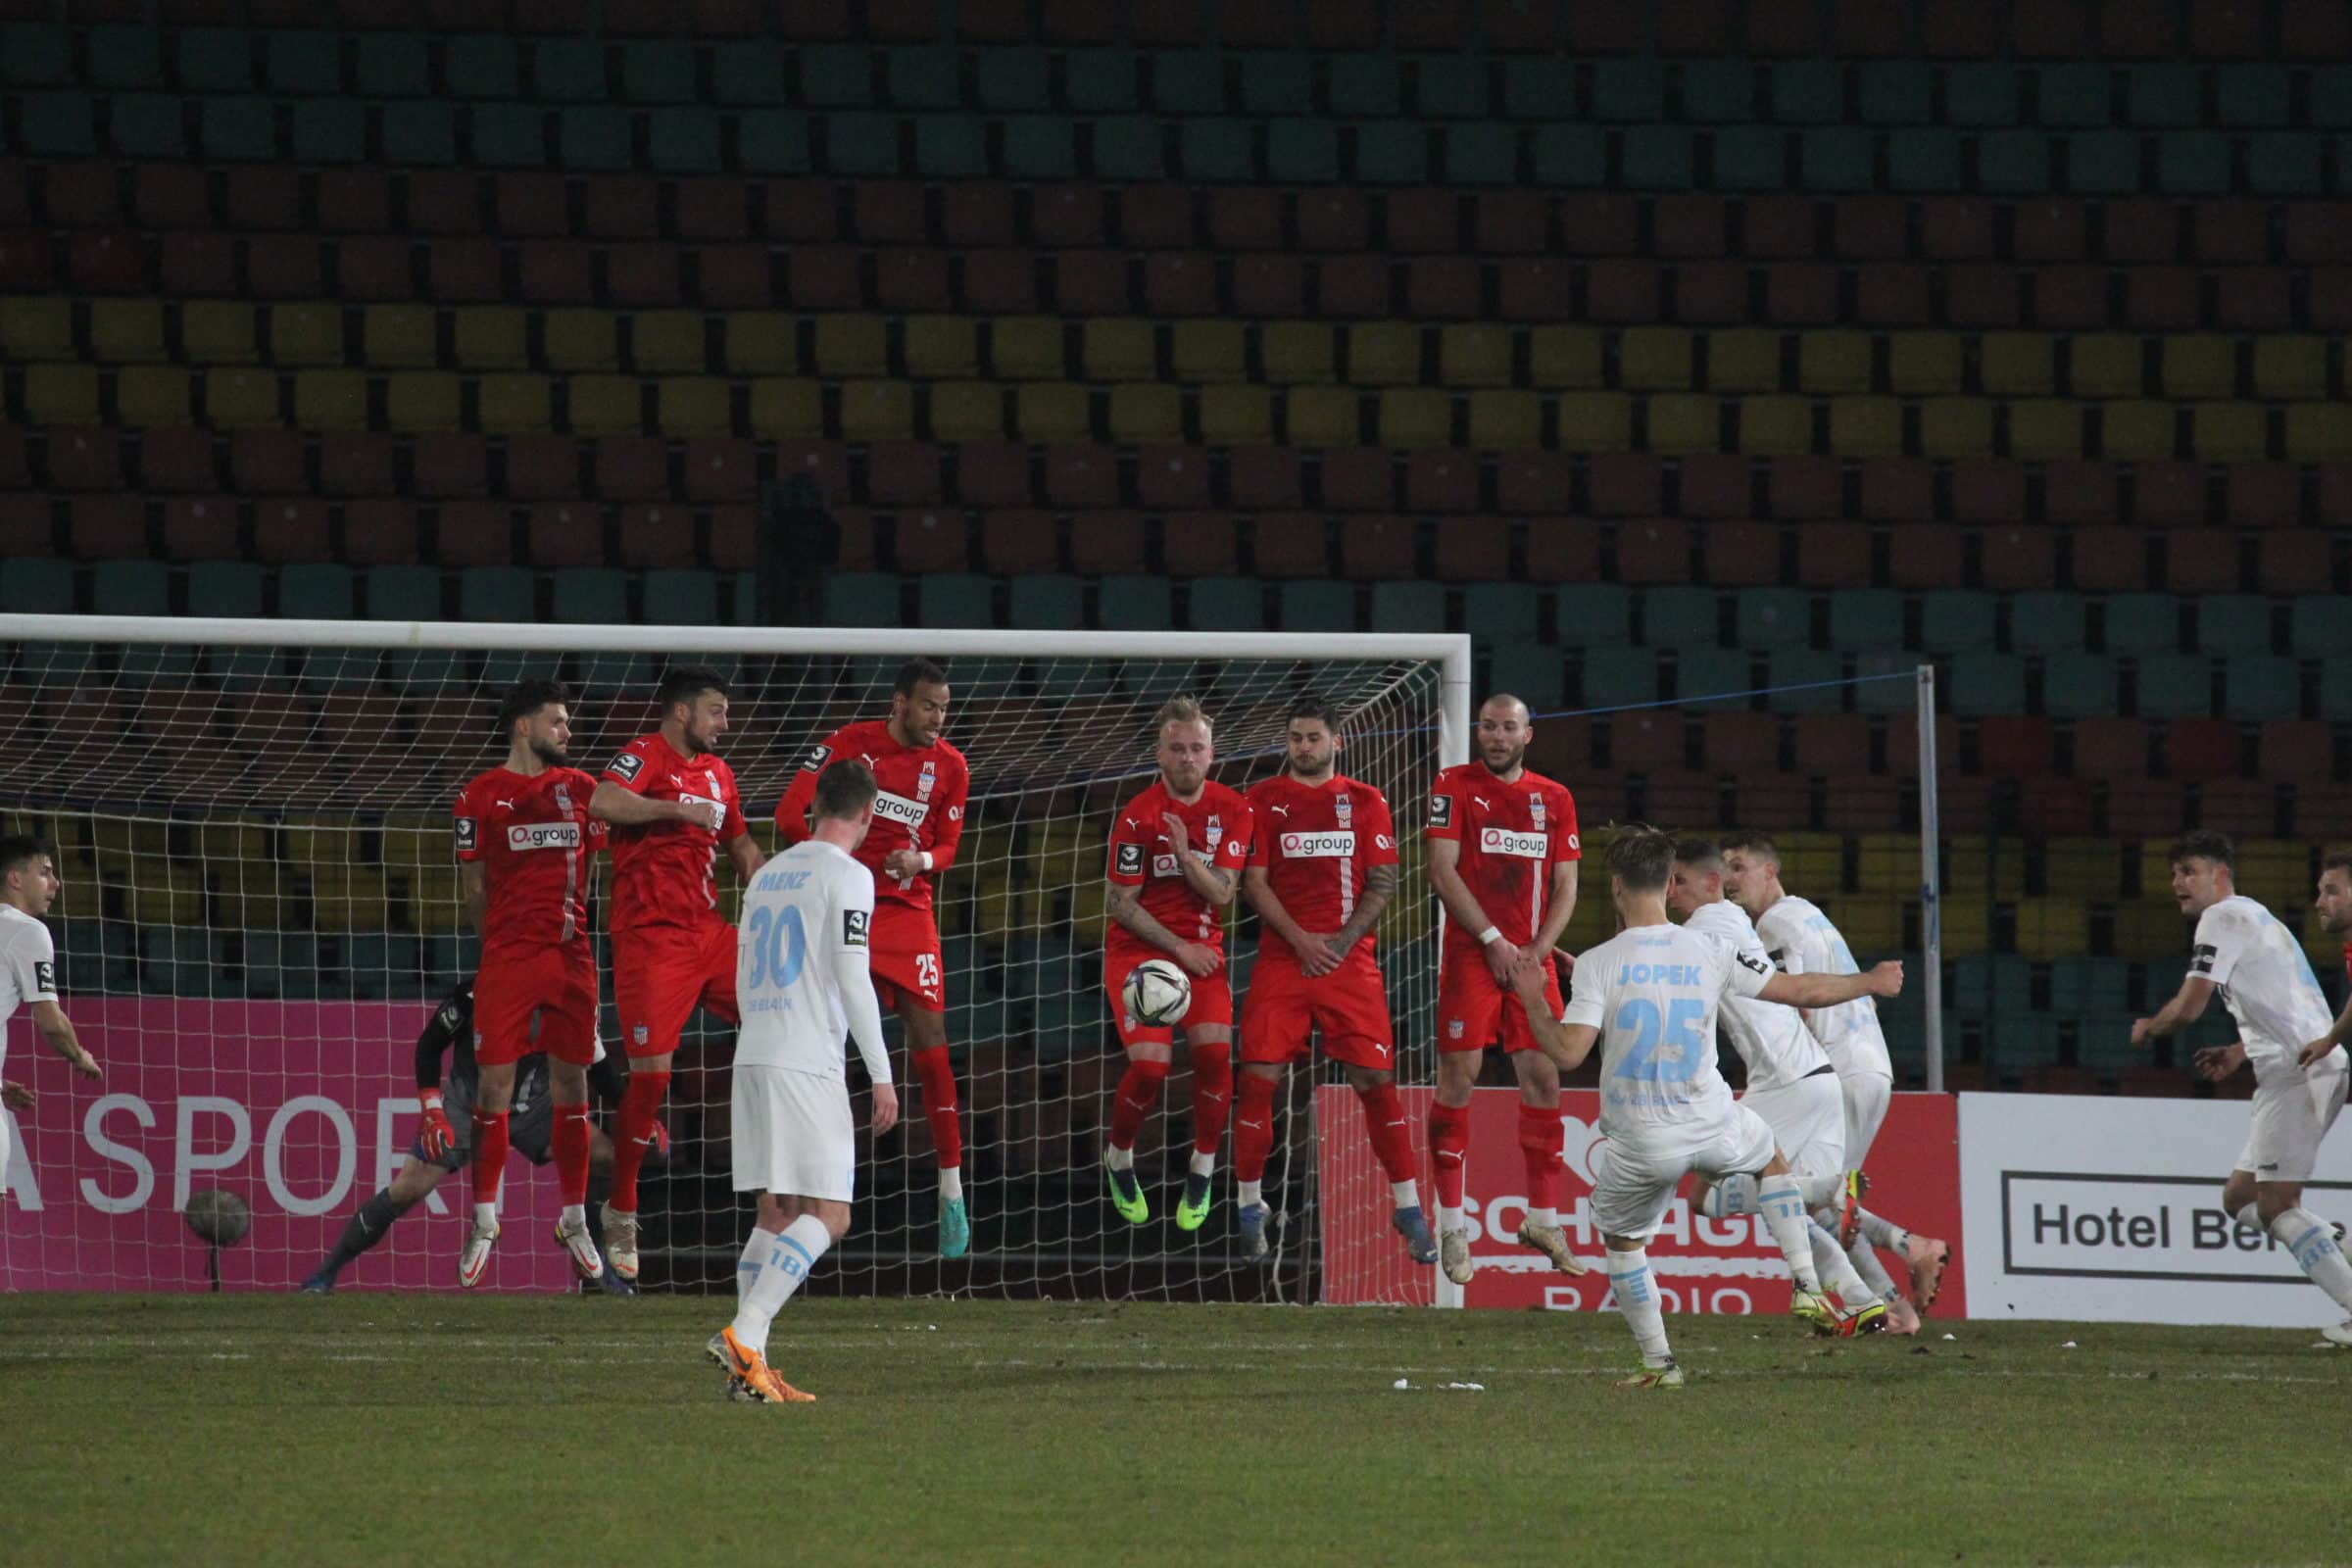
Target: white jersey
<point>1651,991</point>
<point>27,967</point>
<point>801,964</point>
<point>2267,983</point>
<point>1770,1038</point>
<point>1801,940</point>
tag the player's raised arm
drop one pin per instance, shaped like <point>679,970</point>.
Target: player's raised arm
<point>1218,878</point>
<point>1130,850</point>
<point>1828,989</point>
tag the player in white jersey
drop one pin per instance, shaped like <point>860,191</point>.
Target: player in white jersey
<point>1649,996</point>
<point>2334,905</point>
<point>801,982</point>
<point>2242,951</point>
<point>1791,1083</point>
<point>1801,940</point>
<point>28,885</point>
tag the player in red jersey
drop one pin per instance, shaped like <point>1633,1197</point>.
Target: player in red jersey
<point>524,842</point>
<point>1503,853</point>
<point>1176,857</point>
<point>670,804</point>
<point>918,823</point>
<point>1322,867</point>
<point>2334,905</point>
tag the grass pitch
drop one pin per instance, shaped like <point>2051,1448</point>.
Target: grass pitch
<point>362,1428</point>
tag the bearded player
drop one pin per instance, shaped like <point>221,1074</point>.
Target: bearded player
<point>1322,867</point>
<point>919,821</point>
<point>2334,905</point>
<point>670,804</point>
<point>1176,857</point>
<point>525,841</point>
<point>1502,856</point>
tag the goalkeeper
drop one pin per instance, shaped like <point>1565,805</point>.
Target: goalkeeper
<point>438,1150</point>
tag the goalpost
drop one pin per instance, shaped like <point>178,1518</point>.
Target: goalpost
<point>260,907</point>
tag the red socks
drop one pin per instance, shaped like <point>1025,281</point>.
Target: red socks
<point>939,1106</point>
<point>1212,1096</point>
<point>489,1153</point>
<point>572,1139</point>
<point>640,1105</point>
<point>1253,1128</point>
<point>1449,1145</point>
<point>1139,1092</point>
<point>1541,1137</point>
<point>1384,1122</point>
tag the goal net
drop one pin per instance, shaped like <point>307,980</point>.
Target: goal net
<point>261,908</point>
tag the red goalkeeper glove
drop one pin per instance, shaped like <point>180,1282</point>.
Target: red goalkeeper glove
<point>434,1135</point>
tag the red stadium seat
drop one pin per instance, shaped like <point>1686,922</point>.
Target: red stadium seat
<point>114,261</point>
<point>201,529</point>
<point>1378,549</point>
<point>1712,293</point>
<point>642,276</point>
<point>2068,299</point>
<point>2050,230</point>
<point>107,527</point>
<point>932,539</point>
<point>2321,810</point>
<point>1957,228</point>
<point>2200,560</point>
<point>1894,295</point>
<point>15,459</point>
<point>1067,216</point>
<point>16,197</point>
<point>1898,490</point>
<point>1013,542</point>
<point>1539,482</point>
<point>1292,546</point>
<point>285,267</point>
<point>1623,291</point>
<point>1628,484</point>
<point>2130,33</point>
<point>1903,745</point>
<point>375,267</point>
<point>650,537</point>
<point>823,462</point>
<point>2198,750</point>
<point>1081,476</point>
<point>1833,555</point>
<point>1732,555</point>
<point>902,473</point>
<point>2290,749</point>
<point>1337,218</point>
<point>1657,551</point>
<point>1870,229</point>
<point>1989,490</point>
<point>1645,742</point>
<point>2116,563</point>
<point>888,212</point>
<point>1090,283</point>
<point>817,277</point>
<point>1474,549</point>
<point>1514,222</point>
<point>1717,485</point>
<point>1202,544</point>
<point>542,467</point>
<point>1804,488</point>
<point>84,458</point>
<point>1264,478</point>
<point>1156,216</point>
<point>993,473</point>
<point>1434,24</point>
<point>1440,482</point>
<point>348,464</point>
<point>1441,288</point>
<point>553,272</point>
<point>978,212</point>
<point>2056,806</point>
<point>1269,287</point>
<point>2111,749</point>
<point>1535,290</point>
<point>84,193</point>
<point>629,468</point>
<point>1599,224</point>
<point>1104,542</point>
<point>2264,495</point>
<point>2168,494</point>
<point>28,262</point>
<point>27,527</point>
<point>1800,294</point>
<point>1423,220</point>
<point>1741,743</point>
<point>1359,480</point>
<point>1245,217</point>
<point>2161,299</point>
<point>2016,558</point>
<point>2242,807</point>
<point>476,533</point>
<point>460,271</point>
<point>565,533</point>
<point>1558,549</point>
<point>1180,285</point>
<point>2255,299</point>
<point>2056,30</point>
<point>1354,287</point>
<point>1925,555</point>
<point>722,469</point>
<point>2293,562</point>
<point>271,463</point>
<point>2142,230</point>
<point>2232,234</point>
<point>2079,492</point>
<point>1781,226</point>
<point>289,529</point>
<point>1172,478</point>
<point>451,464</point>
<point>1000,282</point>
<point>2016,748</point>
<point>712,207</point>
<point>1689,223</point>
<point>1983,296</point>
<point>622,206</point>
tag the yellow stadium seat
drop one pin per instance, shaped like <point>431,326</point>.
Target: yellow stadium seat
<point>2136,431</point>
<point>2040,428</point>
<point>1655,358</point>
<point>692,406</point>
<point>1776,426</point>
<point>1415,419</point>
<point>2105,364</point>
<point>761,343</point>
<point>128,332</point>
<point>1866,427</point>
<point>1504,420</point>
<point>1567,357</point>
<point>1922,364</point>
<point>400,338</point>
<point>1595,422</point>
<point>1202,352</point>
<point>348,898</point>
<point>61,394</point>
<point>2289,369</point>
<point>1473,353</point>
<point>2150,930</point>
<point>245,399</point>
<point>1027,348</point>
<point>943,348</point>
<point>2018,364</point>
<point>519,405</point>
<point>163,892</point>
<point>851,346</point>
<point>1743,360</point>
<point>152,394</point>
<point>1232,415</point>
<point>2052,928</point>
<point>1955,427</point>
<point>1887,862</point>
<point>1833,362</point>
<point>581,340</point>
<point>1966,928</point>
<point>964,411</point>
<point>217,332</point>
<point>2276,873</point>
<point>491,337</point>
<point>36,329</point>
<point>1383,354</point>
<point>422,402</point>
<point>1870,926</point>
<point>2087,868</point>
<point>2229,432</point>
<point>306,336</point>
<point>329,401</point>
<point>1117,348</point>
<point>1146,411</point>
<point>1682,424</point>
<point>877,411</point>
<point>2199,366</point>
<point>1985,867</point>
<point>1322,416</point>
<point>603,405</point>
<point>1053,411</point>
<point>1299,352</point>
<point>667,343</point>
<point>2319,432</point>
<point>783,410</point>
<point>1811,861</point>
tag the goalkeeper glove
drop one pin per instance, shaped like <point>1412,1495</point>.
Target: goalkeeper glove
<point>434,1135</point>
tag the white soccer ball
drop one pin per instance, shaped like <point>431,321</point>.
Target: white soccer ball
<point>1157,991</point>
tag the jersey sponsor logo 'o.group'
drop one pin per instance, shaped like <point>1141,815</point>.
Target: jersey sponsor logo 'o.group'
<point>1502,841</point>
<point>544,836</point>
<point>889,808</point>
<point>1318,845</point>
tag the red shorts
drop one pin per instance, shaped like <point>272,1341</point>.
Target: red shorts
<point>558,984</point>
<point>1212,1002</point>
<point>1350,1007</point>
<point>1474,1012</point>
<point>903,956</point>
<point>660,973</point>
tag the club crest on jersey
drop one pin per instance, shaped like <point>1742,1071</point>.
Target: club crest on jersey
<point>922,785</point>
<point>640,1034</point>
<point>628,764</point>
<point>1454,1028</point>
<point>1216,834</point>
<point>468,834</point>
<point>1535,809</point>
<point>564,798</point>
<point>1345,805</point>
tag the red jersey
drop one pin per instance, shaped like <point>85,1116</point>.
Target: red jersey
<point>920,806</point>
<point>1317,843</point>
<point>1217,830</point>
<point>666,873</point>
<point>2348,961</point>
<point>534,840</point>
<point>1511,836</point>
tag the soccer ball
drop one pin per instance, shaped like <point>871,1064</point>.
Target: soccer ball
<point>1157,991</point>
<point>218,1216</point>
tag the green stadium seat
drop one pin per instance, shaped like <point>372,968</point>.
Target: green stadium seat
<point>1887,682</point>
<point>1403,607</point>
<point>2258,687</point>
<point>1539,88</point>
<point>2043,622</point>
<point>1101,80</point>
<point>681,595</point>
<point>1837,159</point>
<point>1628,89</point>
<point>593,138</point>
<point>1775,617</point>
<point>1719,91</point>
<point>2142,624</point>
<point>57,125</point>
<point>1188,82</point>
<point>1534,674</point>
<point>1988,683</point>
<point>1749,158</point>
<point>852,598</point>
<point>1992,985</point>
<point>859,143</point>
<point>1217,150</point>
<point>230,590</point>
<point>1363,87</point>
<point>2232,623</point>
<point>147,126</point>
<point>1041,147</point>
<point>1982,94</point>
<point>2174,686</point>
<point>775,141</point>
<point>2318,628</point>
<point>2193,163</point>
<point>1317,606</point>
<point>1658,158</point>
<point>2252,97</point>
<point>2103,162</point>
<point>1501,612</point>
<point>331,130</point>
<point>482,65</point>
<point>592,597</point>
<point>2336,690</point>
<point>2079,984</point>
<point>1590,615</point>
<point>569,71</point>
<point>2074,94</point>
<point>751,76</point>
<point>1228,603</point>
<point>2078,685</point>
<point>509,135</point>
<point>36,55</point>
<point>1703,672</point>
<point>1392,152</point>
<point>1923,158</point>
<point>1444,88</point>
<point>220,60</point>
<point>420,134</point>
<point>395,64</point>
<point>955,599</point>
<point>131,588</point>
<point>238,130</point>
<point>2014,163</point>
<point>1806,676</point>
<point>2282,163</point>
<point>497,594</point>
<point>322,590</point>
<point>1130,148</point>
<point>1896,92</point>
<point>1866,621</point>
<point>1957,621</point>
<point>2162,95</point>
<point>1047,602</point>
<point>1807,93</point>
<point>1277,82</point>
<point>1136,602</point>
<point>657,71</point>
<point>1481,153</point>
<point>1573,157</point>
<point>1680,618</point>
<point>124,59</point>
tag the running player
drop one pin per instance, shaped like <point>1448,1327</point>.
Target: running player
<point>1801,940</point>
<point>670,803</point>
<point>2243,952</point>
<point>1177,851</point>
<point>1322,867</point>
<point>918,823</point>
<point>1649,996</point>
<point>525,841</point>
<point>28,886</point>
<point>803,978</point>
<point>1503,853</point>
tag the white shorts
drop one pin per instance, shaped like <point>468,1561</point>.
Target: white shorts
<point>1865,1095</point>
<point>794,1134</point>
<point>1808,1119</point>
<point>1632,1188</point>
<point>2292,1113</point>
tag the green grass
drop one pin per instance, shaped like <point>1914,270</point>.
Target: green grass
<point>256,1430</point>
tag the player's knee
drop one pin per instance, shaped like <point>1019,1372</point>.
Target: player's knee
<point>2237,1192</point>
<point>2272,1200</point>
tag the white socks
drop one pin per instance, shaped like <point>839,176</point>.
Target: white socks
<point>573,1214</point>
<point>1836,1270</point>
<point>1637,1299</point>
<point>773,1265</point>
<point>2312,1239</point>
<point>1865,1259</point>
<point>1733,1194</point>
<point>1882,1231</point>
<point>486,1214</point>
<point>950,1185</point>
<point>1204,1164</point>
<point>1823,1192</point>
<point>1785,1214</point>
<point>1550,1218</point>
<point>1245,1194</point>
<point>1404,1195</point>
<point>1117,1158</point>
<point>1451,1219</point>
